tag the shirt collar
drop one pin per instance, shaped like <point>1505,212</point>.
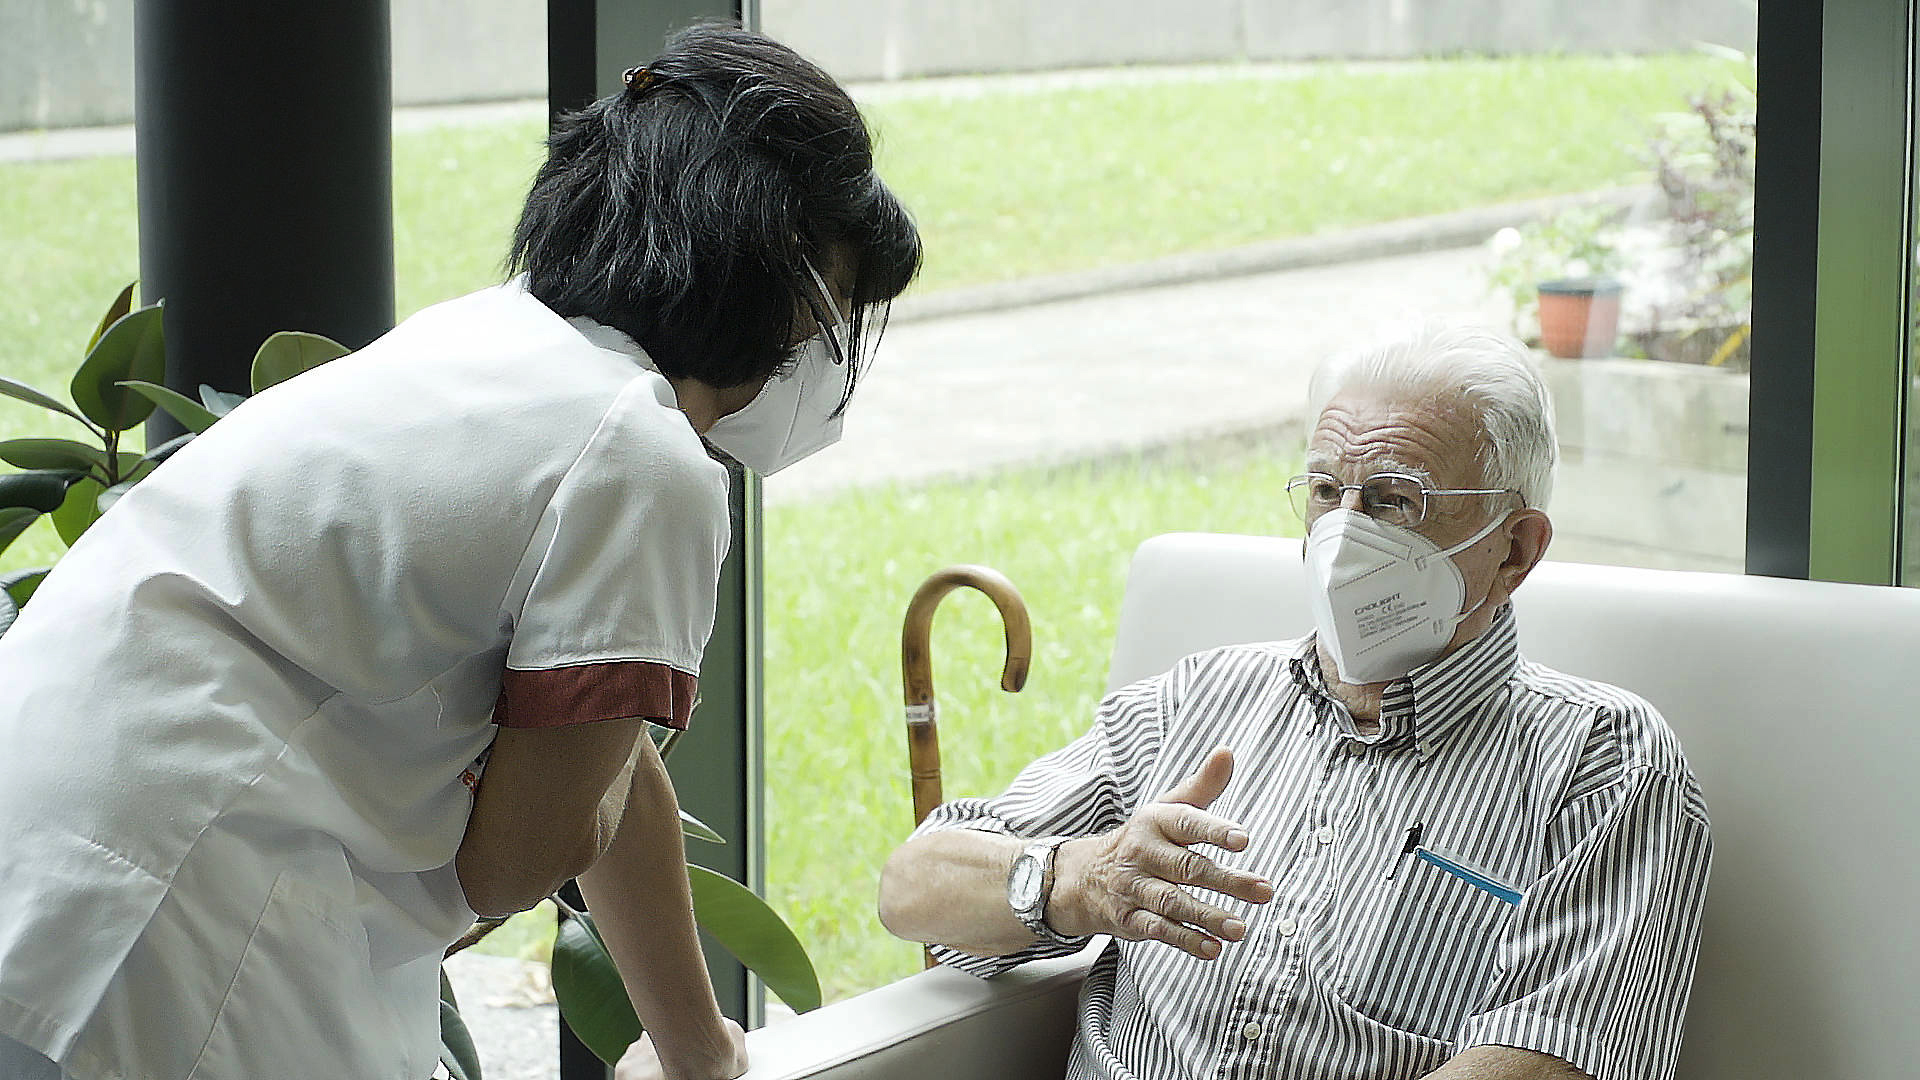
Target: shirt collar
<point>1431,702</point>
<point>602,336</point>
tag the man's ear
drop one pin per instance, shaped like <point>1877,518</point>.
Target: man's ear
<point>1528,532</point>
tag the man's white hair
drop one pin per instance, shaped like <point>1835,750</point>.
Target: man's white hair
<point>1485,370</point>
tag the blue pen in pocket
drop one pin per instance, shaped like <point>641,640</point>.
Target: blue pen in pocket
<point>1475,878</point>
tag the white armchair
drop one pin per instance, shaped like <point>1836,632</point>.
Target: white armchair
<point>1792,701</point>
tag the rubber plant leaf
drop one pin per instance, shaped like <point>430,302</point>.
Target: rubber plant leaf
<point>132,349</point>
<point>457,1051</point>
<point>167,449</point>
<point>699,830</point>
<point>289,353</point>
<point>115,312</point>
<point>219,402</point>
<point>112,495</point>
<point>14,521</point>
<point>20,391</point>
<point>133,469</point>
<point>590,993</point>
<point>192,415</point>
<point>63,454</point>
<point>756,936</point>
<point>41,490</point>
<point>20,584</point>
<point>78,513</point>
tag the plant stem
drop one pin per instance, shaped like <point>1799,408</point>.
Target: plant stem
<point>472,937</point>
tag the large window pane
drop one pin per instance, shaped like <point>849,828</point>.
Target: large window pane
<point>1130,273</point>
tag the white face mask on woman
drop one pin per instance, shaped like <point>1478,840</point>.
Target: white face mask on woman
<point>795,413</point>
<point>1385,598</point>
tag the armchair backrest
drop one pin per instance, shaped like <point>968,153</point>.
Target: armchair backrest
<point>1792,700</point>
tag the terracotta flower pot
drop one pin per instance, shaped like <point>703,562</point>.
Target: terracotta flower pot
<point>1579,316</point>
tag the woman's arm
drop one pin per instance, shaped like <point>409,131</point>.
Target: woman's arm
<point>545,810</point>
<point>643,907</point>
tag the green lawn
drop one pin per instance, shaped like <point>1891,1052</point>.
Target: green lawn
<point>1016,184</point>
<point>1004,186</point>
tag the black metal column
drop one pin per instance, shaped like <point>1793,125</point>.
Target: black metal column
<point>265,177</point>
<point>1786,260</point>
<point>716,768</point>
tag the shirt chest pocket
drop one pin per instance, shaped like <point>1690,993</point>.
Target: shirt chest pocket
<point>1417,951</point>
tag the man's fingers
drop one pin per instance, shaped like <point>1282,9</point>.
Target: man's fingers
<point>1206,783</point>
<point>1143,925</point>
<point>1185,866</point>
<point>1177,905</point>
<point>1185,825</point>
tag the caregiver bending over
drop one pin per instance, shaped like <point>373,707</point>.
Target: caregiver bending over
<point>234,724</point>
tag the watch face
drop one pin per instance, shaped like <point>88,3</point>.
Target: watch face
<point>1023,888</point>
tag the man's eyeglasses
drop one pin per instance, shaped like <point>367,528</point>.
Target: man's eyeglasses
<point>1390,498</point>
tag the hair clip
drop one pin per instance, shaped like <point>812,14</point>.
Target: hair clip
<point>639,78</point>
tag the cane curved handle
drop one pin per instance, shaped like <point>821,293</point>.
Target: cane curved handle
<point>916,666</point>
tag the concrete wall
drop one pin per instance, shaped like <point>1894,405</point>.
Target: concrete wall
<point>892,39</point>
<point>1653,463</point>
<point>69,63</point>
<point>65,63</point>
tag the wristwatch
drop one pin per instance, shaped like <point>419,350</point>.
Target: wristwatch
<point>1030,884</point>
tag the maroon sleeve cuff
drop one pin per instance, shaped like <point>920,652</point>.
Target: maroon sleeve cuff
<point>584,693</point>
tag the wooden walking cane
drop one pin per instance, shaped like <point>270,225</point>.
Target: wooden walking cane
<point>916,669</point>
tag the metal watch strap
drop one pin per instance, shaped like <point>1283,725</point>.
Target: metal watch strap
<point>1044,850</point>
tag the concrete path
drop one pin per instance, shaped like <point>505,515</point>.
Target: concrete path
<point>1089,377</point>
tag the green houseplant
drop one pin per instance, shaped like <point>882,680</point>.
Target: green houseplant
<point>73,481</point>
<point>1703,160</point>
<point>1560,275</point>
<point>115,389</point>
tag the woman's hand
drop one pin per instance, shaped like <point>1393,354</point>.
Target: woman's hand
<point>642,1061</point>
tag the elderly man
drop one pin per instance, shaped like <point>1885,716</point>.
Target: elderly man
<point>1428,856</point>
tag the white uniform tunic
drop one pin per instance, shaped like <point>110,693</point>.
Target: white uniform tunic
<point>234,721</point>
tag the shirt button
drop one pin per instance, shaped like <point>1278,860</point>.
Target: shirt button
<point>1287,927</point>
<point>1252,1031</point>
<point>1354,749</point>
<point>1324,834</point>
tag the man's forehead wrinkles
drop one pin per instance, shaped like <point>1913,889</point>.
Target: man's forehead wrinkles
<point>1369,465</point>
<point>1375,451</point>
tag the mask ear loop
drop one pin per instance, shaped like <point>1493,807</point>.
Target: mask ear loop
<point>842,349</point>
<point>1464,545</point>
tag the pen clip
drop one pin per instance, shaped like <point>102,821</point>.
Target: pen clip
<point>1414,833</point>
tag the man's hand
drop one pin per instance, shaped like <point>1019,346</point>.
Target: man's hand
<point>1128,883</point>
<point>642,1061</point>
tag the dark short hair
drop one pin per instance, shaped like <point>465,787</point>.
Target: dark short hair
<point>685,209</point>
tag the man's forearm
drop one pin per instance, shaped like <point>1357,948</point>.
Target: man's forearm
<point>640,900</point>
<point>950,888</point>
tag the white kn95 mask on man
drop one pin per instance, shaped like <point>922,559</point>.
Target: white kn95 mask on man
<point>1385,599</point>
<point>797,412</point>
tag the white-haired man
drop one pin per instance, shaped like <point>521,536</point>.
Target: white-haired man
<point>1441,860</point>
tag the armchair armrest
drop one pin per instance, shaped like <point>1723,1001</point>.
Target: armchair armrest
<point>940,1024</point>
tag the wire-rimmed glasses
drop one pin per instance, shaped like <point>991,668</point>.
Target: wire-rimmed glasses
<point>1389,497</point>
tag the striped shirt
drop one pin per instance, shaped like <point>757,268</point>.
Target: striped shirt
<point>1571,797</point>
